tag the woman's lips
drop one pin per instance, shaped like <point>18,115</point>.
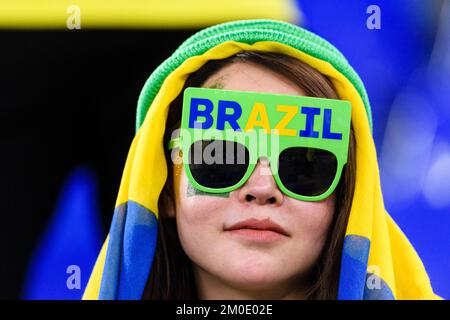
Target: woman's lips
<point>254,230</point>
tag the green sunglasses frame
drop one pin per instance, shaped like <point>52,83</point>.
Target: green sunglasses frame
<point>330,134</point>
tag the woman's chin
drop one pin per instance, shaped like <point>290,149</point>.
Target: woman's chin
<point>254,276</point>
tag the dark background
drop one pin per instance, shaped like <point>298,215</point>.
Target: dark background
<point>66,98</point>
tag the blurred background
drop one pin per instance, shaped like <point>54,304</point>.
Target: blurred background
<point>70,76</point>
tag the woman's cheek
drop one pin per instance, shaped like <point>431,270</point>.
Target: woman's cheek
<point>195,220</point>
<point>195,207</point>
<point>313,219</point>
<point>195,211</point>
<point>199,230</point>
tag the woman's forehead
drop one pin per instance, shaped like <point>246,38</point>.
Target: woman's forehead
<point>248,76</point>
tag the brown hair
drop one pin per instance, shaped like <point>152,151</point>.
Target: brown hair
<point>171,276</point>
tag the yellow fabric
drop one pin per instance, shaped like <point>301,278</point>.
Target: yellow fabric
<point>96,275</point>
<point>391,255</point>
<point>139,13</point>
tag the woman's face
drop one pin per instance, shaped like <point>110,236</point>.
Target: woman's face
<point>227,256</point>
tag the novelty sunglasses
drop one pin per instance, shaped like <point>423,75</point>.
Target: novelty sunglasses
<point>225,133</point>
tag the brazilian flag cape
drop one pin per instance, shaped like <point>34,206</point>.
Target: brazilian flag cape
<point>374,246</point>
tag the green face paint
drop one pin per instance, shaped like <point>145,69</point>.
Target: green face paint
<point>224,133</point>
<point>192,191</point>
<point>218,84</point>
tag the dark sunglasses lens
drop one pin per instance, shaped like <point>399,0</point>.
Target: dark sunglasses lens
<point>218,163</point>
<point>307,171</point>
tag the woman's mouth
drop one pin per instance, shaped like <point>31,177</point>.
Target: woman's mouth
<point>259,231</point>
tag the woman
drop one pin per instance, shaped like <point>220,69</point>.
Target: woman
<point>170,239</point>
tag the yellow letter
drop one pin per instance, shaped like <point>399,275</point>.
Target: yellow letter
<point>290,111</point>
<point>258,109</point>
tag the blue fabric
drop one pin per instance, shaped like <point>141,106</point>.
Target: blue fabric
<point>110,278</point>
<point>139,247</point>
<point>355,254</point>
<point>354,279</point>
<point>131,247</point>
<point>383,292</point>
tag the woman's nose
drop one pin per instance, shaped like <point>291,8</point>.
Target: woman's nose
<point>261,187</point>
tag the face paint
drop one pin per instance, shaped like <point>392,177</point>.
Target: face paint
<point>218,84</point>
<point>304,138</point>
<point>192,191</point>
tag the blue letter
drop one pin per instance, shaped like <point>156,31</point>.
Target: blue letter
<point>310,112</point>
<point>223,117</point>
<point>327,134</point>
<point>194,113</point>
